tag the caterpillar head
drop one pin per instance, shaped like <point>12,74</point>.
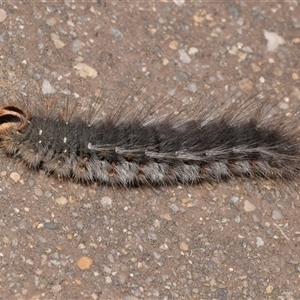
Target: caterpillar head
<point>12,121</point>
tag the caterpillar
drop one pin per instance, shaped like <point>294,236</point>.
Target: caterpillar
<point>142,147</point>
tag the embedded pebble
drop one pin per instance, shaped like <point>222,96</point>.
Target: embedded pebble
<point>106,202</point>
<point>81,246</point>
<point>295,76</point>
<point>184,246</point>
<point>269,289</point>
<point>192,87</point>
<point>79,224</point>
<point>296,41</point>
<point>247,49</point>
<point>84,262</point>
<point>235,199</point>
<point>248,206</point>
<point>106,269</point>
<point>50,226</point>
<point>276,214</point>
<point>117,33</point>
<point>6,240</point>
<point>15,176</point>
<point>179,2</point>
<point>234,10</point>
<point>183,74</point>
<point>47,88</point>
<point>51,21</point>
<point>30,182</point>
<point>255,67</point>
<point>165,61</point>
<point>56,288</point>
<point>3,15</point>
<point>156,223</point>
<point>77,45</point>
<point>277,72</point>
<point>78,281</point>
<point>14,242</point>
<point>84,70</point>
<point>256,218</point>
<point>193,50</point>
<point>152,236</point>
<point>94,296</point>
<point>283,105</point>
<point>48,194</point>
<point>184,57</point>
<point>58,43</point>
<point>131,298</point>
<point>174,207</point>
<point>173,45</point>
<point>237,219</point>
<point>198,19</point>
<point>108,279</point>
<point>29,261</point>
<point>110,258</point>
<point>259,242</point>
<point>246,84</point>
<point>61,201</point>
<point>273,40</point>
<point>38,191</point>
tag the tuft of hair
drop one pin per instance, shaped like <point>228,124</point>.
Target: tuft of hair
<point>147,140</point>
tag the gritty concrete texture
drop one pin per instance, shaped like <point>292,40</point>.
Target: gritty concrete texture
<point>61,240</point>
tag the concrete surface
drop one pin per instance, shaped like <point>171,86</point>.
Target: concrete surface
<point>60,240</point>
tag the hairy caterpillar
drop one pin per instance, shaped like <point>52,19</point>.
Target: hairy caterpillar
<point>128,149</point>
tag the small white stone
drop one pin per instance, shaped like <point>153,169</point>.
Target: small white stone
<point>165,61</point>
<point>47,88</point>
<point>51,21</point>
<point>237,219</point>
<point>193,50</point>
<point>70,23</point>
<point>106,202</point>
<point>259,242</point>
<point>173,45</point>
<point>77,45</point>
<point>3,15</point>
<point>15,176</point>
<point>192,87</point>
<point>276,214</point>
<point>248,206</point>
<point>61,201</point>
<point>116,33</point>
<point>273,40</point>
<point>235,199</point>
<point>84,71</point>
<point>283,105</point>
<point>58,43</point>
<point>179,2</point>
<point>184,57</point>
<point>108,279</point>
<point>56,288</point>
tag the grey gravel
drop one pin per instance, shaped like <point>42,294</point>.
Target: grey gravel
<point>277,214</point>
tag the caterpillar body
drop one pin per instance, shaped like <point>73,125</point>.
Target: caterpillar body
<point>126,150</point>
